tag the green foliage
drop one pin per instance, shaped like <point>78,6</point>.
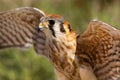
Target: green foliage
<point>26,65</point>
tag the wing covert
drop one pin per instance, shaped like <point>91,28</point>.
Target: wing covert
<point>18,26</point>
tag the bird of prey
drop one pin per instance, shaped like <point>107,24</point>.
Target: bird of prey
<point>92,55</point>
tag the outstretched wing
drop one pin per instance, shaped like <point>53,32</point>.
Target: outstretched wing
<point>18,26</point>
<point>99,47</point>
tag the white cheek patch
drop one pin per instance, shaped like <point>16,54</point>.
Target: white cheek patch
<point>56,28</point>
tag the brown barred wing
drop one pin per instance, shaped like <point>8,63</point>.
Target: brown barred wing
<point>99,47</point>
<point>18,26</point>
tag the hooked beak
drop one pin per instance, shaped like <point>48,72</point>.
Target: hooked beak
<point>43,25</point>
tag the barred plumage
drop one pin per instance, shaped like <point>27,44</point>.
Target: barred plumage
<point>18,26</point>
<point>96,56</point>
<point>59,46</point>
<point>99,47</point>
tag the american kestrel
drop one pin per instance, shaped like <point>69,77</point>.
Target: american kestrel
<point>92,55</point>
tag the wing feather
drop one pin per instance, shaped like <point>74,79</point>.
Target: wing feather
<point>99,47</point>
<point>18,26</point>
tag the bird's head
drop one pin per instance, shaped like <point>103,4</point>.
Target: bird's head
<point>60,36</point>
<point>57,26</point>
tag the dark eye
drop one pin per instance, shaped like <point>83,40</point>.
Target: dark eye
<point>51,22</point>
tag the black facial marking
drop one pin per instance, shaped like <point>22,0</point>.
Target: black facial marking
<point>51,23</point>
<point>69,27</point>
<point>53,32</point>
<point>62,28</point>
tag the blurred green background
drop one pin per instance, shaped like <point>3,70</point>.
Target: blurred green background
<point>26,65</point>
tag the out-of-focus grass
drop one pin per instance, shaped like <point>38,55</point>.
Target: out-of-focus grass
<point>27,65</point>
<point>24,65</point>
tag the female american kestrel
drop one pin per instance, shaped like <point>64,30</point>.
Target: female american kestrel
<point>92,55</point>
